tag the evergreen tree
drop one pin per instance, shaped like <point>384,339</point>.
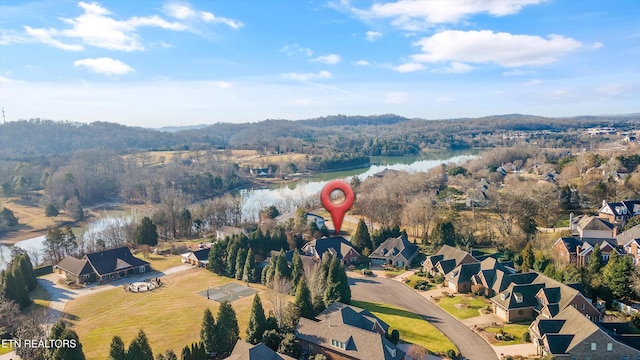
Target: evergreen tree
<point>443,234</point>
<point>394,337</point>
<point>257,321</point>
<point>345,290</point>
<point>146,233</point>
<point>303,300</point>
<point>68,352</point>
<point>528,258</point>
<point>297,269</point>
<point>324,231</point>
<point>56,332</point>
<point>289,346</point>
<point>186,353</point>
<point>314,230</point>
<point>616,275</point>
<point>23,261</point>
<point>361,238</point>
<point>282,268</point>
<point>117,350</point>
<point>272,322</point>
<point>272,339</point>
<point>51,211</point>
<point>595,261</point>
<point>241,258</point>
<point>139,348</point>
<point>15,288</point>
<point>250,266</point>
<point>227,328</point>
<point>332,292</point>
<point>232,255</point>
<point>209,334</point>
<point>216,262</point>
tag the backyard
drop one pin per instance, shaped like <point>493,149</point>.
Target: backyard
<point>171,315</point>
<point>413,329</point>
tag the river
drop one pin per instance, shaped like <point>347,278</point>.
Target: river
<point>286,197</point>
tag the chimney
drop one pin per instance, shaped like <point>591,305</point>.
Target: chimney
<point>615,231</point>
<point>604,202</point>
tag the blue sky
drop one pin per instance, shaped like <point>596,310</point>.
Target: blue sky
<point>154,63</point>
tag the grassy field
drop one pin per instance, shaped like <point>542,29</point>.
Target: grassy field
<point>413,329</point>
<point>515,330</point>
<point>171,316</point>
<point>274,159</point>
<point>462,307</point>
<point>30,216</point>
<point>161,263</point>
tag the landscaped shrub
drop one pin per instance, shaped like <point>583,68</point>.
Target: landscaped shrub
<point>478,289</point>
<point>439,279</point>
<point>451,354</point>
<point>526,337</point>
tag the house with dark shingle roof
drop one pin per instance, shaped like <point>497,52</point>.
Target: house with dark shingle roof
<point>102,266</point>
<point>347,332</point>
<point>569,334</point>
<point>336,245</point>
<point>541,296</point>
<point>463,276</point>
<point>198,257</point>
<point>619,212</point>
<point>394,251</point>
<point>595,227</point>
<point>572,250</point>
<point>630,242</point>
<point>245,351</point>
<point>446,259</point>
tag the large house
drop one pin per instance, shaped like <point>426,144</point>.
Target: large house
<point>336,245</point>
<point>595,227</point>
<point>347,332</point>
<point>394,251</point>
<point>102,266</point>
<point>630,242</point>
<point>619,212</point>
<point>576,251</point>
<point>541,296</point>
<point>486,273</point>
<point>570,335</point>
<point>446,259</point>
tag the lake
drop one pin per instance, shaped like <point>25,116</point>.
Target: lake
<point>285,197</point>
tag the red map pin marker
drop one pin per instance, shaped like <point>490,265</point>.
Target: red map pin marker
<point>337,210</point>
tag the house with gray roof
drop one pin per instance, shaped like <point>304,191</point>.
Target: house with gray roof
<point>619,212</point>
<point>446,259</point>
<point>463,276</point>
<point>102,266</point>
<point>347,332</point>
<point>573,250</point>
<point>394,251</point>
<point>336,245</point>
<point>245,351</point>
<point>569,334</point>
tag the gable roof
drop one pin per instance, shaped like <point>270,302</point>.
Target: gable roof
<point>566,330</point>
<point>627,236</point>
<point>112,260</point>
<point>354,328</point>
<point>399,248</point>
<point>569,243</point>
<point>594,223</point>
<point>338,244</point>
<point>201,254</point>
<point>518,296</point>
<point>245,351</point>
<point>75,266</point>
<point>463,273</point>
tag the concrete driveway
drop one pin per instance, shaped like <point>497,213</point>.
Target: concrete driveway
<point>393,292</point>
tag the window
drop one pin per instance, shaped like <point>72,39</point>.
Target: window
<point>338,344</point>
<point>594,346</point>
<point>609,347</point>
<point>582,306</point>
<point>142,269</point>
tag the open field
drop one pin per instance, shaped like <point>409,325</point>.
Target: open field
<point>462,307</point>
<point>259,161</point>
<point>172,314</point>
<point>412,328</point>
<point>31,218</point>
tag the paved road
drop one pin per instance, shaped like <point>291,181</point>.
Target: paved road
<point>392,292</point>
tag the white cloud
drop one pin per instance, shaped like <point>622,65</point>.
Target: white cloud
<point>362,63</point>
<point>308,76</point>
<point>184,12</point>
<point>293,49</point>
<point>532,82</point>
<point>485,46</point>
<point>330,59</point>
<point>409,67</point>
<point>179,11</point>
<point>396,98</point>
<point>458,68</point>
<point>4,80</point>
<point>618,89</point>
<point>373,35</point>
<point>96,28</point>
<point>44,36</point>
<point>416,15</point>
<point>104,65</point>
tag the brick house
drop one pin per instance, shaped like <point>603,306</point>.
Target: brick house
<point>446,259</point>
<point>394,251</point>
<point>336,245</point>
<point>619,212</point>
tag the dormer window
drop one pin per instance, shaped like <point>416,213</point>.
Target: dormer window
<point>338,344</point>
<point>518,297</point>
<point>504,296</point>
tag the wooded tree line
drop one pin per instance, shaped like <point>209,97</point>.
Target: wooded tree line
<point>17,279</point>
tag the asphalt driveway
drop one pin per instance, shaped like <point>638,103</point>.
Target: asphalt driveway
<point>392,292</point>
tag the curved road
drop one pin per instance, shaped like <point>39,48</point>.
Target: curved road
<point>393,292</point>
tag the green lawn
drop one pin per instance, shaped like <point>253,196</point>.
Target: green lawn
<point>5,349</point>
<point>160,262</point>
<point>413,329</point>
<point>170,316</point>
<point>515,330</point>
<point>461,306</point>
<point>413,279</point>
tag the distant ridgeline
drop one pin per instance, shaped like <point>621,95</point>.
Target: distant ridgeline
<point>385,135</point>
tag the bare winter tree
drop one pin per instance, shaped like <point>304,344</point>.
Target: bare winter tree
<point>278,293</point>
